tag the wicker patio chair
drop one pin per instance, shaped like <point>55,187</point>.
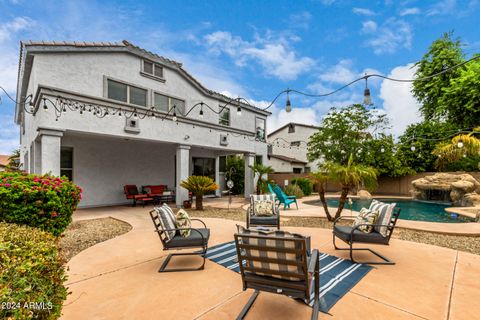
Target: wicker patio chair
<point>254,219</point>
<point>278,264</point>
<point>198,238</point>
<point>351,235</point>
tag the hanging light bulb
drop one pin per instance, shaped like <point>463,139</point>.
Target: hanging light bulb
<point>45,107</point>
<point>120,112</point>
<point>201,111</point>
<point>412,148</point>
<point>239,110</point>
<point>460,143</point>
<point>135,115</point>
<point>174,118</point>
<point>367,98</point>
<point>464,155</point>
<point>288,105</point>
<point>382,150</point>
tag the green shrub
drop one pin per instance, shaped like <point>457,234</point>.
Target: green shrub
<point>31,274</point>
<point>294,190</point>
<point>305,184</point>
<point>45,202</point>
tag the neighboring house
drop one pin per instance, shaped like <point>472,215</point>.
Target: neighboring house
<point>288,151</point>
<point>102,154</point>
<point>4,162</point>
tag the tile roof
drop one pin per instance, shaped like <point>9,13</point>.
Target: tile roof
<point>3,160</point>
<point>285,158</point>
<point>129,45</point>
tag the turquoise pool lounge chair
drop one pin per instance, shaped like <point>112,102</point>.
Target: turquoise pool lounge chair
<point>283,198</point>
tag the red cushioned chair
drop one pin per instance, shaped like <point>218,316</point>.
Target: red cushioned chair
<point>131,192</point>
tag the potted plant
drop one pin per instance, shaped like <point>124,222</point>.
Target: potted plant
<point>199,186</point>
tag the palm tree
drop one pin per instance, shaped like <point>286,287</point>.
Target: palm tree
<point>321,178</point>
<point>460,146</point>
<point>199,185</point>
<point>261,170</point>
<point>348,176</point>
<point>14,160</point>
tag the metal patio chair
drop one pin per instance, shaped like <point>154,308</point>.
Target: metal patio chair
<point>278,264</point>
<point>253,219</point>
<point>198,238</point>
<point>351,235</point>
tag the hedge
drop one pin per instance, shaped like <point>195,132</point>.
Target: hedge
<point>305,184</point>
<point>45,202</point>
<point>294,190</point>
<point>31,274</point>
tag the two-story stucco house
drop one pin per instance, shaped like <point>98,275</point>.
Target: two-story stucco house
<point>288,153</point>
<point>111,114</point>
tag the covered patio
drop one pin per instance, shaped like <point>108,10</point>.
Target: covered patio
<point>119,279</point>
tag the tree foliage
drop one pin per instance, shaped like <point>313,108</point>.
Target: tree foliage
<point>443,53</point>
<point>235,171</point>
<point>261,170</point>
<point>199,186</point>
<point>359,132</point>
<point>424,136</point>
<point>461,147</point>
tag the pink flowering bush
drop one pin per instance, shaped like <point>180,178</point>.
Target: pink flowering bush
<point>44,202</point>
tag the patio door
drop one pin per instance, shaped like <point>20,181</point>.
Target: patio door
<point>204,167</point>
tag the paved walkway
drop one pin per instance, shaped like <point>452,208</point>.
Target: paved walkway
<point>118,279</point>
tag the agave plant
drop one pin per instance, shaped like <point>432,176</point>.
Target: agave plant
<point>460,146</point>
<point>348,176</point>
<point>199,186</point>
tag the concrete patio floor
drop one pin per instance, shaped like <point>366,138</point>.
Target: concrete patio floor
<point>118,279</point>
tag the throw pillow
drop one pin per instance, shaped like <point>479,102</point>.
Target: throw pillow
<point>183,221</point>
<point>386,211</point>
<point>264,208</point>
<point>366,216</point>
<point>263,197</point>
<point>167,221</point>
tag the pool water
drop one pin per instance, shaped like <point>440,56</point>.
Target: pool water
<point>410,209</point>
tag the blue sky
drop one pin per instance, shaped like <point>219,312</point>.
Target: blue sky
<point>255,48</point>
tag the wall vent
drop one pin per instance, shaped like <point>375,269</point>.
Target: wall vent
<point>132,125</point>
<point>223,140</point>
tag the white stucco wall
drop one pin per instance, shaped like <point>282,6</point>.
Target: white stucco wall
<point>103,163</point>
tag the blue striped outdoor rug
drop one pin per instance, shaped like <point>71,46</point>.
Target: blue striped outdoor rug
<point>337,275</point>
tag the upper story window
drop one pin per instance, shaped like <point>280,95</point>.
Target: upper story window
<point>152,69</point>
<point>126,93</point>
<point>295,143</point>
<point>224,117</point>
<point>165,103</point>
<point>260,129</point>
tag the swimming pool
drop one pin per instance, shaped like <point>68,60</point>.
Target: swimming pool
<point>410,209</point>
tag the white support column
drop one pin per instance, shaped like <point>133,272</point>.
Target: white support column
<point>50,141</point>
<point>218,192</point>
<point>182,165</point>
<point>249,174</point>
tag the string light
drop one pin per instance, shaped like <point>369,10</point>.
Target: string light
<point>460,143</point>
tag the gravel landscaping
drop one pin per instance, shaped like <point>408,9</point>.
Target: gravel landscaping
<point>462,243</point>
<point>83,234</point>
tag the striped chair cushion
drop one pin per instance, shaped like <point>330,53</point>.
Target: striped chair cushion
<point>167,221</point>
<point>259,202</point>
<point>283,241</point>
<point>386,211</point>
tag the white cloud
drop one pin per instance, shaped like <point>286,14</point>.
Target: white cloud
<point>369,26</point>
<point>300,20</point>
<point>363,12</point>
<point>442,8</point>
<point>392,35</point>
<point>409,11</point>
<point>274,55</point>
<point>398,102</point>
<point>340,73</point>
<point>280,117</point>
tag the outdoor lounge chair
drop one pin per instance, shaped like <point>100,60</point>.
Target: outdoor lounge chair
<point>198,239</point>
<point>255,219</point>
<point>277,264</point>
<point>283,198</point>
<point>131,192</point>
<point>351,235</point>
